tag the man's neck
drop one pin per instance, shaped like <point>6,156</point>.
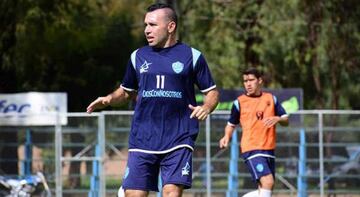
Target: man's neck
<point>170,42</point>
<point>256,94</point>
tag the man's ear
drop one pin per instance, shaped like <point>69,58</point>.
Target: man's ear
<point>261,80</point>
<point>171,27</point>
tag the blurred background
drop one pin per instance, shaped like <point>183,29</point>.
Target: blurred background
<point>81,48</point>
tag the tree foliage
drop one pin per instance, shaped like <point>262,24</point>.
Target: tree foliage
<point>67,45</point>
<point>306,44</point>
<point>82,46</point>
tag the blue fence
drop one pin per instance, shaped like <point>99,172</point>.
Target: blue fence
<point>319,153</point>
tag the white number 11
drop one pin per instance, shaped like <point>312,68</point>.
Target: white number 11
<point>160,81</point>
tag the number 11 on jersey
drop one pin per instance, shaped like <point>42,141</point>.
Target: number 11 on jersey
<point>160,81</point>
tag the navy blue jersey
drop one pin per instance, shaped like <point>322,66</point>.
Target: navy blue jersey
<point>164,80</point>
<point>235,111</point>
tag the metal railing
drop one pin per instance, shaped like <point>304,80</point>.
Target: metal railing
<point>312,155</point>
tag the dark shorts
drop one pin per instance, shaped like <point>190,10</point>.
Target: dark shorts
<point>260,165</point>
<point>142,171</point>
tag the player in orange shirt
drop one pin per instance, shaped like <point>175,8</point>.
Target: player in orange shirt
<point>257,112</point>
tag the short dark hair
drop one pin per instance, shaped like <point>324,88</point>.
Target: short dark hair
<point>156,6</point>
<point>253,71</point>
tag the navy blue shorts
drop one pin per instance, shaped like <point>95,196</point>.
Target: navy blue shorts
<point>142,171</point>
<point>260,164</point>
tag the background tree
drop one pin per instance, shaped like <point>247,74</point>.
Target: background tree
<point>298,43</point>
<point>68,45</point>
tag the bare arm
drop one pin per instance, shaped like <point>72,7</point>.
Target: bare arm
<point>284,120</point>
<point>116,97</point>
<point>210,102</point>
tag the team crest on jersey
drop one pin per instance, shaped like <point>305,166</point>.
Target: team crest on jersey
<point>259,115</point>
<point>185,170</point>
<point>144,67</point>
<point>177,67</point>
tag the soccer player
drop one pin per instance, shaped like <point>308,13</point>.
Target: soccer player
<point>257,112</point>
<point>161,76</point>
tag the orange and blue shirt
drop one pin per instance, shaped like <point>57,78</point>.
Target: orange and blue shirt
<point>249,112</point>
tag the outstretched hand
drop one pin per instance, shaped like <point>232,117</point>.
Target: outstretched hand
<point>99,103</point>
<point>199,112</point>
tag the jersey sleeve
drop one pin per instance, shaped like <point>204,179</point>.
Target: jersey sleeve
<point>235,114</point>
<point>204,80</point>
<point>279,110</point>
<point>130,82</point>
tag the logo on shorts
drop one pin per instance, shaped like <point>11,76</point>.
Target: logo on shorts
<point>260,167</point>
<point>185,170</point>
<point>177,67</point>
<point>126,174</point>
